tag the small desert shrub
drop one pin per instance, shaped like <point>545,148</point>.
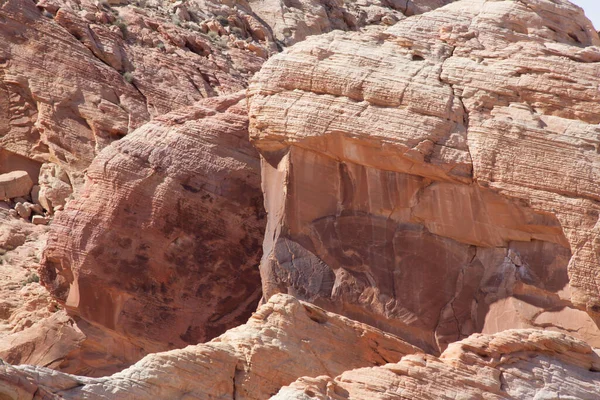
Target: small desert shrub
<point>175,20</point>
<point>160,46</point>
<point>31,278</point>
<point>128,76</point>
<point>122,25</point>
<point>223,20</point>
<point>213,35</point>
<point>237,31</point>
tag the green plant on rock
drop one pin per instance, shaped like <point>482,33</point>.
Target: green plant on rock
<point>128,76</point>
<point>223,20</point>
<point>31,279</point>
<point>122,25</point>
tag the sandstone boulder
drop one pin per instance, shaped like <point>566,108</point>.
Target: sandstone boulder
<point>163,246</point>
<point>283,340</point>
<point>439,178</point>
<point>54,187</point>
<point>15,184</point>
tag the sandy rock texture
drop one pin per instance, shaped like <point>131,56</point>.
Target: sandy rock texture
<point>294,21</point>
<point>163,245</point>
<point>106,70</point>
<point>439,178</point>
<point>76,76</point>
<point>65,108</point>
<point>21,296</point>
<point>284,340</point>
<point>514,364</point>
<point>109,66</point>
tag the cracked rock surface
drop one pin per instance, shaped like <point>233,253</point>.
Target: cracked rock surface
<point>78,75</point>
<point>429,174</point>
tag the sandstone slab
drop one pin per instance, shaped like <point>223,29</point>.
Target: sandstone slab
<point>15,184</point>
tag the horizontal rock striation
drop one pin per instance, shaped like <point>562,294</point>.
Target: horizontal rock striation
<point>163,245</point>
<point>439,176</point>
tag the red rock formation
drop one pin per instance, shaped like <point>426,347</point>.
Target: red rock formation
<point>439,176</point>
<point>77,75</point>
<point>163,245</point>
<point>65,108</point>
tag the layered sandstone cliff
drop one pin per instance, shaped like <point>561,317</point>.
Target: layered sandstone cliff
<point>439,178</point>
<point>432,183</point>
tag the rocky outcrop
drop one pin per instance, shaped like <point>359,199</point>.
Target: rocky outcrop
<point>294,21</point>
<point>106,70</point>
<point>108,67</point>
<point>283,340</point>
<point>66,108</point>
<point>167,233</point>
<point>111,65</point>
<point>23,301</point>
<point>438,178</point>
<point>54,189</point>
<point>509,365</point>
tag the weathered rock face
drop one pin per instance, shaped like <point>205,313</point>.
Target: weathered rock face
<point>65,108</point>
<point>294,21</point>
<point>163,246</point>
<point>439,176</point>
<point>22,299</point>
<point>15,184</point>
<point>107,68</point>
<point>110,66</point>
<point>509,365</point>
<point>283,340</point>
<point>54,187</point>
